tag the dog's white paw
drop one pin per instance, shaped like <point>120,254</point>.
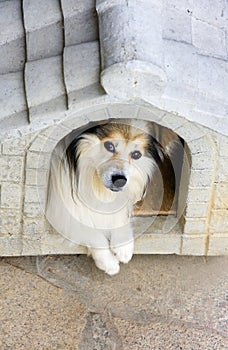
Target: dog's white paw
<point>105,261</point>
<point>124,253</point>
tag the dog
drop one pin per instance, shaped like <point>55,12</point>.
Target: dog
<point>96,177</point>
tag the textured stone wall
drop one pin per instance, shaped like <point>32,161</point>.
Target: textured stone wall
<point>201,227</point>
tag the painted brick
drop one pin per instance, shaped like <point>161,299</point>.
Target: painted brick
<point>32,246</point>
<point>36,177</point>
<point>16,146</point>
<point>200,178</point>
<point>197,210</point>
<point>202,161</point>
<point>221,196</point>
<point>12,46</point>
<point>56,132</point>
<point>193,245</point>
<point>208,39</point>
<point>123,111</point>
<point>176,25</point>
<point>85,59</point>
<point>213,77</point>
<point>195,226</point>
<point>13,95</point>
<point>210,11</point>
<point>199,194</point>
<point>219,221</point>
<point>37,160</point>
<point>10,195</point>
<point>80,21</point>
<point>218,244</point>
<point>11,168</point>
<point>44,86</point>
<point>222,170</point>
<point>156,244</point>
<point>10,246</point>
<point>151,113</point>
<point>40,33</point>
<point>10,222</point>
<point>184,57</point>
<point>33,226</point>
<point>33,210</point>
<point>201,145</point>
<point>34,194</point>
<point>42,144</point>
<point>173,121</point>
<point>194,132</point>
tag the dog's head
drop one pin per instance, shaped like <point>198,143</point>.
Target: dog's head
<point>118,156</point>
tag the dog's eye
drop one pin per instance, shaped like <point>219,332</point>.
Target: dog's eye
<point>136,155</point>
<point>109,147</point>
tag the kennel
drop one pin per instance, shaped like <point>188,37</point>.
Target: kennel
<point>85,76</point>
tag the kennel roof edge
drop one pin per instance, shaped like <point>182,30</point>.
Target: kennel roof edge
<point>183,71</point>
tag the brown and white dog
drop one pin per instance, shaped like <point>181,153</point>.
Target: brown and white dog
<point>95,181</point>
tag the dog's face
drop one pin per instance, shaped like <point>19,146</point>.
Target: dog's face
<point>120,156</point>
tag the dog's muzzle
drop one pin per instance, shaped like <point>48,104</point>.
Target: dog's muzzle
<point>119,181</point>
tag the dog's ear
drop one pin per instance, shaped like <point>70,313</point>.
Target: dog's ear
<point>155,150</point>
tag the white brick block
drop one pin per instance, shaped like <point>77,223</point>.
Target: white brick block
<point>201,145</point>
<point>193,245</point>
<point>85,60</point>
<point>12,46</point>
<point>199,194</point>
<point>151,113</point>
<point>176,25</point>
<point>10,222</point>
<point>123,111</point>
<point>208,39</point>
<point>44,86</point>
<point>190,132</point>
<point>200,178</point>
<point>202,161</point>
<point>11,168</point>
<point>44,37</point>
<point>80,21</point>
<point>42,144</point>
<point>33,210</point>
<point>34,194</point>
<point>213,12</point>
<point>36,177</point>
<point>197,210</point>
<point>219,221</point>
<point>222,170</point>
<point>158,244</point>
<point>221,196</point>
<point>180,63</point>
<point>218,244</point>
<point>195,226</point>
<point>12,93</point>
<point>11,195</point>
<point>173,121</point>
<point>33,227</point>
<point>38,160</point>
<point>17,146</point>
<point>56,132</point>
<point>213,77</point>
<point>10,246</point>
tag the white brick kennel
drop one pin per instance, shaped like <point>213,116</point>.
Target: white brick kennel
<point>86,61</point>
<point>200,227</point>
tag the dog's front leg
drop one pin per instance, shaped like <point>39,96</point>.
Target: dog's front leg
<point>105,260</point>
<point>122,243</point>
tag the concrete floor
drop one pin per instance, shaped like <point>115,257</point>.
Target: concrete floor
<point>156,302</point>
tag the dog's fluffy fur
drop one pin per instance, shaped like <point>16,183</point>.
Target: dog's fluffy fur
<point>95,180</point>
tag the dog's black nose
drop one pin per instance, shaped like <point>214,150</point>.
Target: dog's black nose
<point>119,180</point>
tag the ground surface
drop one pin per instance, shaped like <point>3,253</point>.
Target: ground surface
<point>156,302</point>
